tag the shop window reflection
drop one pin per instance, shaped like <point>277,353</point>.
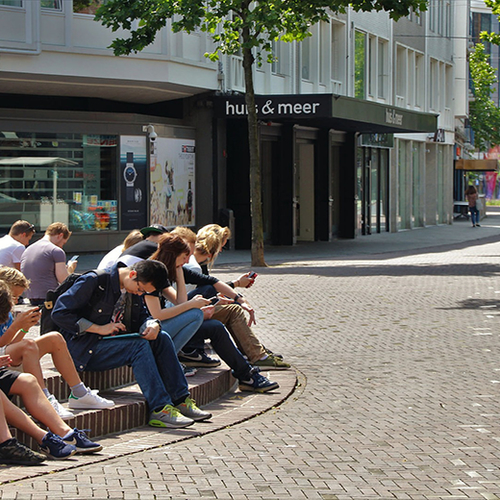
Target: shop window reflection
<point>48,177</point>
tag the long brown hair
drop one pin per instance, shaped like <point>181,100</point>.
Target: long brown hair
<point>170,246</point>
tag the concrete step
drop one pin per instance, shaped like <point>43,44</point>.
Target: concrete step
<point>130,410</point>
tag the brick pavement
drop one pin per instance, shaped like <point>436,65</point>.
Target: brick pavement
<point>398,397</point>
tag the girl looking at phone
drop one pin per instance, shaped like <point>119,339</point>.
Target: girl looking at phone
<point>183,319</point>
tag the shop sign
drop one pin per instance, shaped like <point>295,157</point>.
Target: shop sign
<point>393,117</point>
<point>377,140</point>
<point>103,141</point>
<point>279,106</point>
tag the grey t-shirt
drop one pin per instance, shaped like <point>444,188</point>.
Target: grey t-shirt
<point>38,264</point>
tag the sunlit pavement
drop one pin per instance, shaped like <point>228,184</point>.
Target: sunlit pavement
<point>396,341</point>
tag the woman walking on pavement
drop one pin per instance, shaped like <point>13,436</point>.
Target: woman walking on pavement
<point>471,195</point>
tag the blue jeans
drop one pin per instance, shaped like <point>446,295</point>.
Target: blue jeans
<point>224,347</point>
<point>155,365</point>
<point>474,215</point>
<point>208,291</point>
<point>182,327</point>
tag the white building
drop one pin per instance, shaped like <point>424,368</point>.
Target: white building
<point>330,161</point>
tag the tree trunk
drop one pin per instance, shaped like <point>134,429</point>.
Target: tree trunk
<point>255,176</point>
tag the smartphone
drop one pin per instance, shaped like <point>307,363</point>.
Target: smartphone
<point>214,300</point>
<point>252,275</point>
<point>122,336</point>
<point>75,257</point>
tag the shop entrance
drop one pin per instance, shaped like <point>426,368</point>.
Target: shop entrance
<point>304,192</point>
<point>372,190</point>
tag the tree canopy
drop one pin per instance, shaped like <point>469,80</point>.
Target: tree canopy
<point>228,20</point>
<point>484,115</point>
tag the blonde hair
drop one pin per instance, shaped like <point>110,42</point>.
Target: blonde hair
<point>210,239</point>
<point>13,277</point>
<point>224,233</point>
<point>58,228</point>
<point>132,238</point>
<point>185,233</point>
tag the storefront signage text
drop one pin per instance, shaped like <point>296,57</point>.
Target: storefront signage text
<point>278,106</point>
<point>270,108</point>
<point>393,118</point>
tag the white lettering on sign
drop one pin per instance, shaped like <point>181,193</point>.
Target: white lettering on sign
<point>268,108</point>
<point>392,117</point>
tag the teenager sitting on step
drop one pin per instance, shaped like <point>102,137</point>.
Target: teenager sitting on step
<point>28,352</point>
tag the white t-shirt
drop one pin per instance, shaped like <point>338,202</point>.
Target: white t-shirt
<point>110,258</point>
<point>193,266</point>
<point>11,251</point>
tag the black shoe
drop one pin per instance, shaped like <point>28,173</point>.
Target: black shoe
<point>198,358</point>
<point>478,225</point>
<point>14,452</point>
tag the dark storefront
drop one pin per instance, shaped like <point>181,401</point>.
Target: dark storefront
<point>324,164</point>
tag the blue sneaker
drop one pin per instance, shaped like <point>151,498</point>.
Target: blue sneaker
<point>257,382</point>
<point>55,448</point>
<point>81,442</point>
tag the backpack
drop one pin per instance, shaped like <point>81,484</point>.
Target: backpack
<point>46,322</point>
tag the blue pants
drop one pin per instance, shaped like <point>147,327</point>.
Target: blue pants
<point>208,291</point>
<point>224,347</point>
<point>182,327</point>
<point>155,365</point>
<point>474,215</point>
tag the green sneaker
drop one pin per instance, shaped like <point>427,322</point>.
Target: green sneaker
<point>190,410</point>
<point>272,362</point>
<point>169,416</point>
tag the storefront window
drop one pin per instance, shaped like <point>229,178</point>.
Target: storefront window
<point>49,177</point>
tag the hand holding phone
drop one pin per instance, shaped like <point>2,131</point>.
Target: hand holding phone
<point>214,300</point>
<point>75,257</point>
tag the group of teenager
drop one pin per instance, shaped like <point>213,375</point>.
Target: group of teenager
<point>151,304</point>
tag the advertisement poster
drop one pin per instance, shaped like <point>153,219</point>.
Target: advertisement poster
<point>172,182</point>
<point>133,180</point>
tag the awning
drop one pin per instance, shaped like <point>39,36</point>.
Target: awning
<point>483,165</point>
<point>33,161</point>
<point>329,110</point>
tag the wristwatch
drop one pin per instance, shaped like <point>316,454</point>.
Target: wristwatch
<point>130,175</point>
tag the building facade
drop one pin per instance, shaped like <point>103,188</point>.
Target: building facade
<point>357,127</point>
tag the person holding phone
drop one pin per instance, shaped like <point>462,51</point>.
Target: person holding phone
<point>44,262</point>
<point>28,352</point>
<point>151,356</point>
<point>173,251</point>
<point>205,246</point>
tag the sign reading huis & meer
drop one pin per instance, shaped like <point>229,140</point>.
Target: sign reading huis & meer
<point>278,106</point>
<point>342,112</point>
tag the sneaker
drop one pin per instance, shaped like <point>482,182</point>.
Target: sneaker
<point>81,442</point>
<point>190,410</point>
<point>169,416</point>
<point>478,225</point>
<point>60,410</point>
<point>272,362</point>
<point>189,371</point>
<point>198,358</point>
<point>271,353</point>
<point>14,452</point>
<point>257,383</point>
<point>55,448</point>
<point>91,401</point>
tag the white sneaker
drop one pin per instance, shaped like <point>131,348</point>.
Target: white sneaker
<point>91,401</point>
<point>60,410</point>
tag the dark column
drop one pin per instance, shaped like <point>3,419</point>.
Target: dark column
<point>238,181</point>
<point>347,192</point>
